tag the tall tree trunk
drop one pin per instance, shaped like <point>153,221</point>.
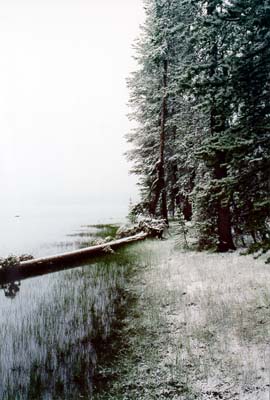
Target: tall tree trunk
<point>160,187</point>
<point>223,209</point>
<point>217,124</point>
<point>174,189</point>
<point>164,210</point>
<point>187,209</point>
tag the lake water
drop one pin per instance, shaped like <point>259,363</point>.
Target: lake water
<point>43,230</point>
<point>51,326</point>
<point>51,329</point>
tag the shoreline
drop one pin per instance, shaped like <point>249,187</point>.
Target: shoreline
<point>199,328</point>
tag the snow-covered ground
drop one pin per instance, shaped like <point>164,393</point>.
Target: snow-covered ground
<point>200,328</point>
<point>217,309</point>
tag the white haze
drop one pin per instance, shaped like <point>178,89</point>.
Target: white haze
<point>63,96</point>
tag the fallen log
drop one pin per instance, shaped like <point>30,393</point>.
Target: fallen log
<point>85,252</point>
<point>45,265</point>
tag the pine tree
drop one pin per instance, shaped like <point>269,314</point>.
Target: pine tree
<point>210,80</point>
<point>251,78</point>
<point>201,102</point>
<point>153,108</point>
<point>237,149</point>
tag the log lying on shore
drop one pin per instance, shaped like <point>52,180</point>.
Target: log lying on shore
<point>45,265</point>
<point>15,268</point>
<point>82,253</point>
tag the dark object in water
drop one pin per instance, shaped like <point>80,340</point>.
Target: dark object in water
<point>11,289</point>
<point>87,251</point>
<point>38,266</point>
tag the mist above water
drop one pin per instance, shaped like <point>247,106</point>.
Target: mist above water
<point>63,70</point>
<point>46,230</point>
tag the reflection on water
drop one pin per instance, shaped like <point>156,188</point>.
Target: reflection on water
<point>48,324</point>
<point>11,289</point>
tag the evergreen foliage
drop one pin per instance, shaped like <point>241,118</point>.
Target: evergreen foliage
<point>201,101</point>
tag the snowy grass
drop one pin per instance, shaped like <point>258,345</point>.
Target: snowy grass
<point>217,307</point>
<point>200,329</point>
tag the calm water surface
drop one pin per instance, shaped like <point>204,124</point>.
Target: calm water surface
<point>48,324</point>
<point>47,331</point>
<point>43,230</point>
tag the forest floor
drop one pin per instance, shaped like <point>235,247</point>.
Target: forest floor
<point>199,328</point>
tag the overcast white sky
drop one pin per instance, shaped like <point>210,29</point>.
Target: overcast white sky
<point>63,95</point>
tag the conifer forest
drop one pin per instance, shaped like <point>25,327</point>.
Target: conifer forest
<point>200,98</point>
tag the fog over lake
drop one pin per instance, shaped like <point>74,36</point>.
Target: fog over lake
<point>63,106</point>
